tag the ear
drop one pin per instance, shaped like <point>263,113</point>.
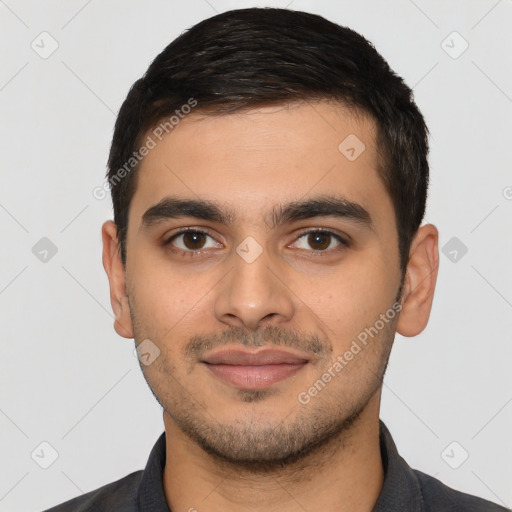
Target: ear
<point>420,282</point>
<point>115,270</point>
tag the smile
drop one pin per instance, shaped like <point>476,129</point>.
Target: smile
<point>247,370</point>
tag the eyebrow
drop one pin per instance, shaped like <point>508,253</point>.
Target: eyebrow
<point>203,209</point>
<point>323,206</point>
<point>174,208</point>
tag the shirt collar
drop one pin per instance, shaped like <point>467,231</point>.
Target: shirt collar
<point>151,488</point>
<point>400,491</point>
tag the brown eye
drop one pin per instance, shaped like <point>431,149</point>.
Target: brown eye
<point>190,241</point>
<point>319,241</point>
<point>194,240</point>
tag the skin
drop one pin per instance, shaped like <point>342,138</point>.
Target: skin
<point>232,449</point>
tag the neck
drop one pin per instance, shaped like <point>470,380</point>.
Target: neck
<point>344,475</point>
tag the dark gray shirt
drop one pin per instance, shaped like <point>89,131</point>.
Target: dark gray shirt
<point>404,489</point>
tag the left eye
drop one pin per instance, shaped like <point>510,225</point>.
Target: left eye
<point>193,241</point>
<point>318,241</point>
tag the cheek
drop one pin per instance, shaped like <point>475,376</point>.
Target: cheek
<point>353,300</point>
<point>165,301</point>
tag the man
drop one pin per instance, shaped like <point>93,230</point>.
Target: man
<point>269,176</point>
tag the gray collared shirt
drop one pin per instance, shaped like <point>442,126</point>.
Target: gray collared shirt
<point>404,489</point>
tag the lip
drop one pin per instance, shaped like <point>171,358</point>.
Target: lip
<point>254,370</point>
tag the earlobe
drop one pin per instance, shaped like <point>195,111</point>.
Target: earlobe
<point>115,270</point>
<point>420,282</point>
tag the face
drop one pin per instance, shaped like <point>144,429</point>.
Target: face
<point>263,266</point>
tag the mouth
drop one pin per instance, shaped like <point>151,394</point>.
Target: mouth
<point>254,370</point>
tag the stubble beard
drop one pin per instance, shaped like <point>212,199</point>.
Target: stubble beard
<point>261,446</point>
<point>265,448</point>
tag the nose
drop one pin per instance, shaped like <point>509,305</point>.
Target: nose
<point>253,295</point>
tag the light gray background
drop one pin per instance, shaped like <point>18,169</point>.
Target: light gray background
<point>69,380</point>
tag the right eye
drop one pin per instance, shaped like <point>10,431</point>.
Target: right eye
<point>192,241</point>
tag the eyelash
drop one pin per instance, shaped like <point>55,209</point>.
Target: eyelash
<point>189,253</point>
<point>344,243</point>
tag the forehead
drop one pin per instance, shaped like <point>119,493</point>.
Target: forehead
<point>252,160</point>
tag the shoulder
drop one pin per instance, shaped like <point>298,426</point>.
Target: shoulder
<point>118,496</point>
<point>439,497</point>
